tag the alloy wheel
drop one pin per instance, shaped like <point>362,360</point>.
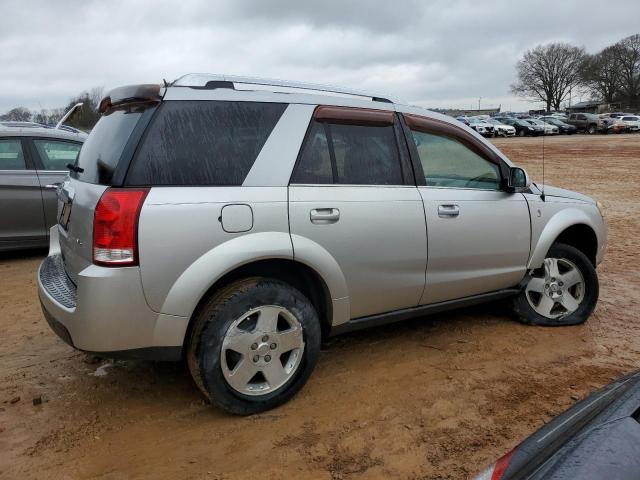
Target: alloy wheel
<point>557,289</point>
<point>262,350</point>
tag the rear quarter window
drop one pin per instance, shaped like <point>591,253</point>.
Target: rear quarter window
<point>203,142</point>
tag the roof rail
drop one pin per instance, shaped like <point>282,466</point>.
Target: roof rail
<point>209,80</point>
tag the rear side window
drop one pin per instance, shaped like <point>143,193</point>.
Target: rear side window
<point>203,142</point>
<point>101,152</point>
<point>349,154</point>
<point>55,155</point>
<point>11,156</point>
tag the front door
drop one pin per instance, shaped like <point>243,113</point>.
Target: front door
<point>353,194</point>
<point>478,234</point>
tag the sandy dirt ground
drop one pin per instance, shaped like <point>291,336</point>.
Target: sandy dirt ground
<point>432,398</point>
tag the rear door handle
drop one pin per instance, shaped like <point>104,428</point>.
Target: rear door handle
<point>323,216</point>
<point>448,210</point>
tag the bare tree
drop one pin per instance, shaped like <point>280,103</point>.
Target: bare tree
<point>628,53</point>
<point>549,72</point>
<point>87,116</point>
<point>18,114</point>
<point>601,74</point>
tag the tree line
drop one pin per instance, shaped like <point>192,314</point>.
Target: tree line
<point>84,118</point>
<point>550,73</point>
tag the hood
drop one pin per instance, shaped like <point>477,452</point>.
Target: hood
<point>599,437</point>
<point>551,191</point>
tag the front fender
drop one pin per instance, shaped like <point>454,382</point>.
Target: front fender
<point>193,283</point>
<point>559,222</point>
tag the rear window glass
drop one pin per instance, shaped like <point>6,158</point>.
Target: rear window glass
<point>203,142</point>
<point>102,150</point>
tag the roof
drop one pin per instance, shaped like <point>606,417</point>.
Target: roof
<point>23,129</point>
<point>210,80</point>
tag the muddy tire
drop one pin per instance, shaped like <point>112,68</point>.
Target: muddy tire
<point>564,291</point>
<point>253,345</point>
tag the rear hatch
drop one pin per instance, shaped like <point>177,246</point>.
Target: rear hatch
<point>102,163</point>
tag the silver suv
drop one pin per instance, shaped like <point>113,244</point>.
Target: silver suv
<point>236,222</point>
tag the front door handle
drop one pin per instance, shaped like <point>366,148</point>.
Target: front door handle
<point>448,210</point>
<point>53,186</point>
<point>323,216</point>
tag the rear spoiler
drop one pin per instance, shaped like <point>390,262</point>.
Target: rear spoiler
<point>144,93</point>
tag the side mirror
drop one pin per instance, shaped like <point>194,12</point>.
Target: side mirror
<point>518,180</point>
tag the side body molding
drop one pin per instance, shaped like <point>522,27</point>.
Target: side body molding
<point>560,221</point>
<point>194,282</point>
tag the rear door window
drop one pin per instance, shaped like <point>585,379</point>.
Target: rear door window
<point>349,154</point>
<point>203,142</point>
<point>11,155</point>
<point>56,154</point>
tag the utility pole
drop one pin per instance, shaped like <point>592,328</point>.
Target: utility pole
<point>480,98</point>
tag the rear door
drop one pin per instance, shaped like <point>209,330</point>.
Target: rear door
<point>51,157</point>
<point>353,193</point>
<point>478,234</point>
<point>21,216</point>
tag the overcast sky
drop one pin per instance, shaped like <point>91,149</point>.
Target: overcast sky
<point>431,53</point>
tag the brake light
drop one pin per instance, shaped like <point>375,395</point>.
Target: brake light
<point>496,471</point>
<point>115,227</point>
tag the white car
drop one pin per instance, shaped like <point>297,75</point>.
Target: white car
<point>483,128</point>
<point>632,122</point>
<point>548,128</point>
<point>502,129</point>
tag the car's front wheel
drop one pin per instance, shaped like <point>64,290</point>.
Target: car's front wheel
<point>564,291</point>
<point>254,345</point>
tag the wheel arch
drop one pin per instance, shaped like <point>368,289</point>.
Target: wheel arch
<point>290,271</point>
<point>572,227</point>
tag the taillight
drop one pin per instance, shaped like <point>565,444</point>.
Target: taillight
<point>115,227</point>
<point>496,471</point>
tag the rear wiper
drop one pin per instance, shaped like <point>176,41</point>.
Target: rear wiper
<point>75,168</point>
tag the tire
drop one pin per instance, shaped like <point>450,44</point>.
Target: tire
<point>522,133</point>
<point>212,356</point>
<point>591,129</point>
<point>567,259</point>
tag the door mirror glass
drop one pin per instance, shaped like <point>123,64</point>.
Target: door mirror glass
<point>518,179</point>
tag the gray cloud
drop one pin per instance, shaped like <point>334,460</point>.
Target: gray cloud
<point>435,53</point>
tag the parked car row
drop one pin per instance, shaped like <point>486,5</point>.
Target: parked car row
<point>509,124</point>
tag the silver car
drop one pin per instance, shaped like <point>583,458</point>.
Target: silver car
<point>32,165</point>
<point>236,222</point>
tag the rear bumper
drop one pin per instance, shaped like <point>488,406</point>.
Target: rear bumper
<point>106,311</point>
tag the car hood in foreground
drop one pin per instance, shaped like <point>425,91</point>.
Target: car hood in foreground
<point>551,191</point>
<point>599,437</point>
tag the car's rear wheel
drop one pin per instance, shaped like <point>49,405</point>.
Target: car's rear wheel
<point>591,129</point>
<point>522,133</point>
<point>564,291</point>
<point>254,345</point>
